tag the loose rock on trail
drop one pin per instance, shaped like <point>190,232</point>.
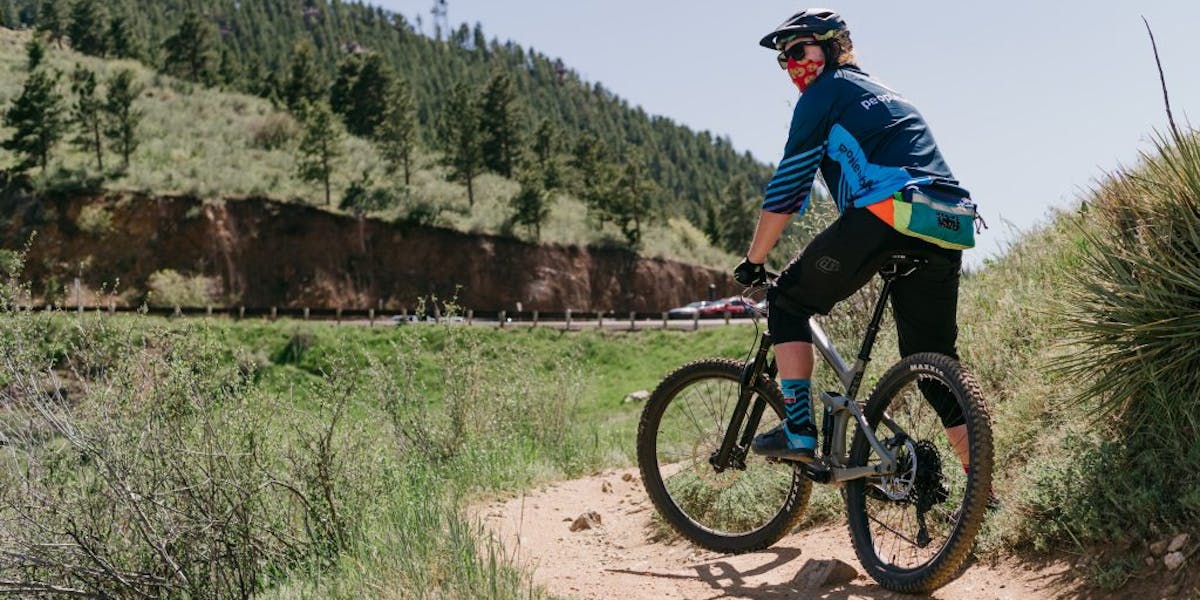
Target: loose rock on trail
<point>623,556</point>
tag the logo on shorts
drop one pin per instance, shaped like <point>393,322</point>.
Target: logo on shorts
<point>828,264</point>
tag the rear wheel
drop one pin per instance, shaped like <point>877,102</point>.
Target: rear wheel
<point>913,530</point>
<point>682,425</point>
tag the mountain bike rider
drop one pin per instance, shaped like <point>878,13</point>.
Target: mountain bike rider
<point>868,142</point>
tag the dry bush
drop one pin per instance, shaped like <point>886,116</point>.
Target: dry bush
<point>168,287</point>
<point>274,131</point>
<point>165,474</point>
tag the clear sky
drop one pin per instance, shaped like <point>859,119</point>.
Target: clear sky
<point>1031,101</point>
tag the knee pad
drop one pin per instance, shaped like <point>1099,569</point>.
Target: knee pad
<point>785,321</point>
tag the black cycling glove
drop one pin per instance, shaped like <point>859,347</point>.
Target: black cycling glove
<point>748,273</point>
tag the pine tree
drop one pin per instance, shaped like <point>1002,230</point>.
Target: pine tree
<point>459,136</point>
<point>305,83</point>
<point>10,15</point>
<point>501,121</point>
<point>531,204</point>
<point>546,144</point>
<point>37,118</point>
<point>595,177</point>
<point>321,147</point>
<point>397,135</point>
<point>86,114</point>
<point>361,93</point>
<point>35,53</point>
<point>191,51</point>
<point>88,28</point>
<point>121,40</point>
<point>52,20</point>
<point>738,216</point>
<point>712,225</point>
<point>121,120</point>
<point>229,74</point>
<point>632,200</point>
<point>341,93</point>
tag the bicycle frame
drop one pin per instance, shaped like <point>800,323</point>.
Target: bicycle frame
<point>839,409</point>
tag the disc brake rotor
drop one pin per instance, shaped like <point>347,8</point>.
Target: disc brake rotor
<point>899,487</point>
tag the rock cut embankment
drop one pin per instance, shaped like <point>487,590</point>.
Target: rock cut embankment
<point>266,253</point>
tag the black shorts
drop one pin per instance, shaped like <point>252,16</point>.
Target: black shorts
<point>842,259</point>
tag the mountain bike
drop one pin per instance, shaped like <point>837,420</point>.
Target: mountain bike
<point>913,507</point>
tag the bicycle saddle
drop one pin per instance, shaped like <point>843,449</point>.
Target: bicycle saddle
<point>901,265</point>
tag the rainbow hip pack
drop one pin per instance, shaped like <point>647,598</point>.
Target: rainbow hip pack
<point>939,213</point>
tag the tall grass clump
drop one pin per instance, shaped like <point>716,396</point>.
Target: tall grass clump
<point>1132,313</point>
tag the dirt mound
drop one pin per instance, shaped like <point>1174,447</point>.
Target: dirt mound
<point>618,556</point>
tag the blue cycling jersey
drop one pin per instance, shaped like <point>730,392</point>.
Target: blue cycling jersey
<point>868,141</point>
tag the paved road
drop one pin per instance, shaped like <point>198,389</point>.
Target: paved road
<point>608,324</point>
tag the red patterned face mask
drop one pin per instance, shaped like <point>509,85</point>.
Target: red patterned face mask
<point>803,72</point>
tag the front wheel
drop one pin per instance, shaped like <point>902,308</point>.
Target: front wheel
<point>914,529</point>
<point>682,425</point>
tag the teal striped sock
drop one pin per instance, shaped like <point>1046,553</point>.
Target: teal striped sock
<point>797,405</point>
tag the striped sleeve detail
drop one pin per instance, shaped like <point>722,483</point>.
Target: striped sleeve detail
<point>788,190</point>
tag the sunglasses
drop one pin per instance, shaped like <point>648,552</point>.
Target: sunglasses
<point>796,52</point>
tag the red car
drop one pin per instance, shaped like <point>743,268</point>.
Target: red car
<point>738,306</point>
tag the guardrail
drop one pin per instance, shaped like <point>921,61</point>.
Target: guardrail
<point>568,319</point>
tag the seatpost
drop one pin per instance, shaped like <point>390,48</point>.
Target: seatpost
<point>873,327</point>
<point>864,353</point>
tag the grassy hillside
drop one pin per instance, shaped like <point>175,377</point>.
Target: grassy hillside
<point>408,424</point>
<point>212,144</point>
<point>252,50</point>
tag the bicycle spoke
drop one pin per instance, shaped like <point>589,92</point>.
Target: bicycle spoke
<point>742,497</point>
<point>896,527</point>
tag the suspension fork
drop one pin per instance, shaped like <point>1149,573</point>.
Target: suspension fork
<point>736,442</point>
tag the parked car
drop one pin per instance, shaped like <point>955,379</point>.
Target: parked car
<point>737,306</point>
<point>686,312</point>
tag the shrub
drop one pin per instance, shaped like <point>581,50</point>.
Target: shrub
<point>171,288</point>
<point>95,220</point>
<point>1132,304</point>
<point>274,131</point>
<point>166,474</point>
<point>1131,311</point>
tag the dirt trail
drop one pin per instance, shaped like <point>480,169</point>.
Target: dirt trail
<point>618,560</point>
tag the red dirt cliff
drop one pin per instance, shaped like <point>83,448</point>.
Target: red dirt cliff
<point>266,253</point>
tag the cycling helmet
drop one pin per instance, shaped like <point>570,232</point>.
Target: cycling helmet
<point>821,23</point>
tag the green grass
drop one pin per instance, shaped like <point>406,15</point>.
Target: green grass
<point>432,416</point>
<point>210,144</point>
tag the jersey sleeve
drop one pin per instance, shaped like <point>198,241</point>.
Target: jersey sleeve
<point>789,190</point>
